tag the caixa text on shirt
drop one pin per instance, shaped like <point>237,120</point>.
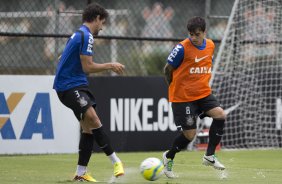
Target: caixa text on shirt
<point>141,114</point>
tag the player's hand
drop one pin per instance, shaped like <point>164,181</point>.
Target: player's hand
<point>118,68</point>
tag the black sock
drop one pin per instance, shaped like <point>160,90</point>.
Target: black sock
<point>103,140</point>
<point>180,142</point>
<point>215,135</point>
<point>85,149</point>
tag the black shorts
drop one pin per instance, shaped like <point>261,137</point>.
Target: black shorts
<point>186,113</point>
<point>78,99</point>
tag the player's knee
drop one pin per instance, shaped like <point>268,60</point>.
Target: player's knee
<point>92,121</point>
<point>220,114</point>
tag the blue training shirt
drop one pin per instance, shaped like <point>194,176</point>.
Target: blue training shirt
<point>69,73</point>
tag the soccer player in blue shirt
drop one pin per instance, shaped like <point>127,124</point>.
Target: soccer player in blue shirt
<point>71,86</point>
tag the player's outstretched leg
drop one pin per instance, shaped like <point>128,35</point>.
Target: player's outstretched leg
<point>215,135</point>
<point>104,143</point>
<point>179,143</point>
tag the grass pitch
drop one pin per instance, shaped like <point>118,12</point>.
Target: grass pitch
<point>244,166</point>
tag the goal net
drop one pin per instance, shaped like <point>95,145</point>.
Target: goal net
<point>247,74</point>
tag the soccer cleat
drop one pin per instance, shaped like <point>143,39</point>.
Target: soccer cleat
<point>212,161</point>
<point>168,164</point>
<point>85,177</point>
<point>118,169</point>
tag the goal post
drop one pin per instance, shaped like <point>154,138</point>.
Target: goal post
<point>247,75</point>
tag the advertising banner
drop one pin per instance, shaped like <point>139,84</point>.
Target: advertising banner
<point>135,112</point>
<point>32,119</point>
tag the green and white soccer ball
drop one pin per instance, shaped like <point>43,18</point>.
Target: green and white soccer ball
<point>151,168</point>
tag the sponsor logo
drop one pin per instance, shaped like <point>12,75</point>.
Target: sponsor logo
<point>38,121</point>
<point>200,70</point>
<point>141,114</point>
<point>200,59</point>
<point>173,53</point>
<point>90,43</point>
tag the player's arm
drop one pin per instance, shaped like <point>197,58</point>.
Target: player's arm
<point>168,69</point>
<point>86,58</point>
<point>174,59</point>
<point>89,66</point>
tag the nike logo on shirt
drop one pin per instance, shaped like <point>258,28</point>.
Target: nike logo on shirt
<point>200,59</point>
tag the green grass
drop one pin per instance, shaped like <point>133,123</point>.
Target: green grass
<point>244,166</point>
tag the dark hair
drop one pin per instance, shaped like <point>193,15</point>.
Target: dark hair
<point>196,23</point>
<point>92,11</point>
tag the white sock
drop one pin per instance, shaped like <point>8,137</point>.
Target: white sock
<point>113,157</point>
<point>81,170</point>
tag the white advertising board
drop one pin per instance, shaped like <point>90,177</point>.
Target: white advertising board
<point>32,119</point>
